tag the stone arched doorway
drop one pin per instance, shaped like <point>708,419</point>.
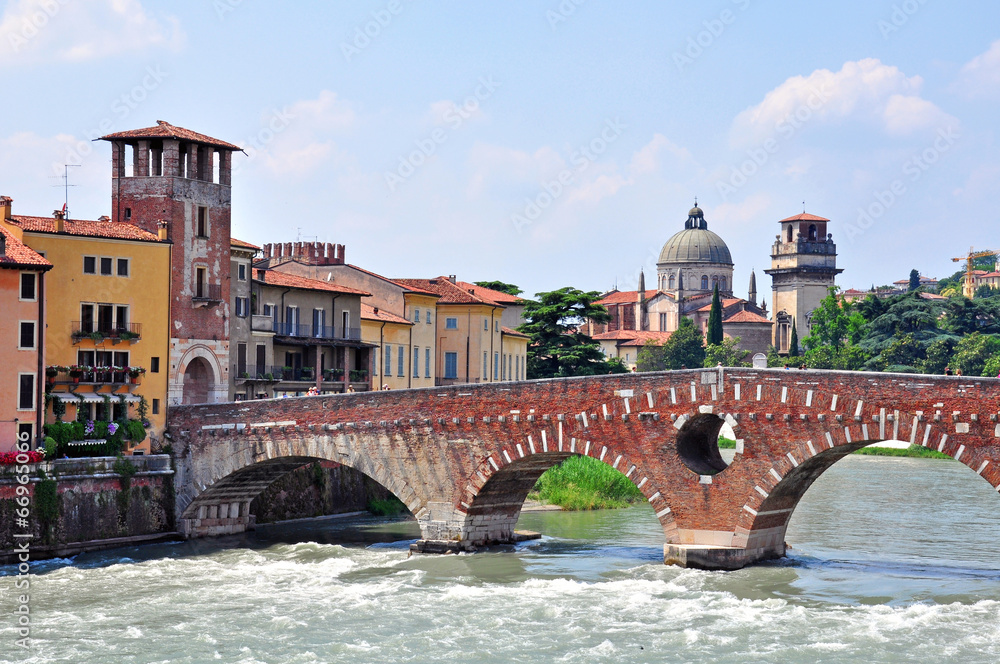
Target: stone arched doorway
<point>198,383</point>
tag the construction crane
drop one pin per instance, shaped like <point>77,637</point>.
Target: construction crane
<point>969,283</point>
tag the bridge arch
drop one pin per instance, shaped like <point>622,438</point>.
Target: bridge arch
<point>496,491</point>
<point>765,516</point>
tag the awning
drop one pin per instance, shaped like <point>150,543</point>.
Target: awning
<point>91,397</point>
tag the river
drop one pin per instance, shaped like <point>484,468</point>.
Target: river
<point>894,560</point>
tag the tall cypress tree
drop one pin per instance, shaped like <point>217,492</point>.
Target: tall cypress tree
<point>793,345</point>
<point>714,332</point>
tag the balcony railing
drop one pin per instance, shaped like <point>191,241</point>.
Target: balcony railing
<point>100,331</point>
<point>208,292</point>
<point>325,332</point>
<point>260,323</point>
<point>299,374</point>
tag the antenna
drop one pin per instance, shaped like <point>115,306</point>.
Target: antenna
<point>66,185</point>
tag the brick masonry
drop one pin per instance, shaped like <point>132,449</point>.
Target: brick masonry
<point>463,458</point>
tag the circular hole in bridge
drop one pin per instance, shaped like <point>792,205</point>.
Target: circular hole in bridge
<point>698,444</point>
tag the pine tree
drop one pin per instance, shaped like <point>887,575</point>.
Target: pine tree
<point>914,280</point>
<point>714,332</point>
<point>793,345</point>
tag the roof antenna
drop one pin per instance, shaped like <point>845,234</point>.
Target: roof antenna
<point>803,207</point>
<point>66,185</point>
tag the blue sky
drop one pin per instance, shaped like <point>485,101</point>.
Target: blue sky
<point>546,143</point>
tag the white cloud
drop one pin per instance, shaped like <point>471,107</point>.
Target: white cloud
<point>980,77</point>
<point>66,31</point>
<point>866,91</point>
<point>303,135</point>
<point>649,158</point>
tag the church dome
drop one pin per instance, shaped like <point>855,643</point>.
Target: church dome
<point>695,244</point>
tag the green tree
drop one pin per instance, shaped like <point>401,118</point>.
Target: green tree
<point>793,343</point>
<point>938,354</point>
<point>510,289</point>
<point>557,347</point>
<point>836,323</point>
<point>685,349</point>
<point>714,333</point>
<point>973,352</point>
<point>727,354</point>
<point>914,280</point>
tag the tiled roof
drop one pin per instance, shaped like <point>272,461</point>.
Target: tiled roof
<point>624,297</point>
<point>114,230</point>
<point>368,312</point>
<point>614,335</point>
<point>642,338</point>
<point>18,255</point>
<point>932,296</point>
<point>805,216</point>
<point>746,317</point>
<point>275,278</point>
<point>514,333</point>
<point>396,282</point>
<point>243,245</point>
<point>167,130</point>
<point>450,293</point>
<point>726,302</point>
<point>490,294</point>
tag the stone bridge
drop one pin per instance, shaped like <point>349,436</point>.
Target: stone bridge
<point>463,458</point>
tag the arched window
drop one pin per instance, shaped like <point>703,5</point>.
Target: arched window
<point>672,282</point>
<point>722,284</point>
<point>812,232</point>
<point>704,282</point>
<point>789,227</point>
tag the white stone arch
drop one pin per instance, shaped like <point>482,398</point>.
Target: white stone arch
<point>219,389</point>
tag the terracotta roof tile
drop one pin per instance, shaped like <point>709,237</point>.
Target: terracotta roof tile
<point>114,230</point>
<point>18,255</point>
<point>490,294</point>
<point>805,216</point>
<point>513,333</point>
<point>243,245</point>
<point>368,312</point>
<point>624,297</point>
<point>396,282</point>
<point>167,130</point>
<point>644,337</point>
<point>450,293</point>
<point>726,302</point>
<point>275,278</point>
<point>746,317</point>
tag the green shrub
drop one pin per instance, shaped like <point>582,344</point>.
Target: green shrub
<point>51,447</point>
<point>584,483</point>
<point>387,507</point>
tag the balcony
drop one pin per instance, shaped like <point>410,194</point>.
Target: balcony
<point>320,332</point>
<point>205,294</point>
<point>260,323</point>
<point>98,332</point>
<point>275,374</point>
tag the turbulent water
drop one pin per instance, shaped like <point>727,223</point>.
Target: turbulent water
<point>894,560</point>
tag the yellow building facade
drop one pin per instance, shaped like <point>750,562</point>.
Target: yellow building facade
<point>106,307</point>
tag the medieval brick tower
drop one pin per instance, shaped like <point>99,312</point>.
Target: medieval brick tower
<point>803,268</point>
<point>177,183</point>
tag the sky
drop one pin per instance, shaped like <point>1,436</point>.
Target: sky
<point>543,143</point>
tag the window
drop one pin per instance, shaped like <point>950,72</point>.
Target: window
<point>400,364</point>
<point>241,271</point>
<point>106,264</point>
<point>128,214</point>
<point>346,318</point>
<point>26,340</point>
<point>496,326</point>
<point>673,281</point>
<point>123,265</point>
<point>451,365</point>
<point>486,360</point>
<point>90,264</point>
<point>241,359</point>
<point>427,363</point>
<point>200,282</point>
<point>416,315</point>
<point>388,360</point>
<point>451,323</point>
<point>789,233</point>
<point>28,290</point>
<point>503,368</point>
<point>291,321</point>
<point>26,391</point>
<point>517,367</point>
<point>25,432</point>
<point>261,359</point>
<point>156,406</point>
<point>154,365</point>
<point>486,325</point>
<point>202,221</point>
<point>496,365</point>
<point>428,316</point>
<point>319,322</point>
<point>242,306</point>
<point>722,284</point>
<point>663,322</point>
<point>416,362</point>
<point>704,282</point>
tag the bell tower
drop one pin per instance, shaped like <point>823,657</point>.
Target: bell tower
<point>803,268</point>
<point>177,183</point>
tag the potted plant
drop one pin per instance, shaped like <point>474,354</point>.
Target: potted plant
<point>76,372</point>
<point>286,372</point>
<point>307,373</point>
<point>336,374</point>
<point>269,376</point>
<point>358,375</point>
<point>96,337</point>
<point>135,372</point>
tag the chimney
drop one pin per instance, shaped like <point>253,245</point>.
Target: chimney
<point>376,311</point>
<point>3,247</point>
<point>60,221</point>
<point>452,278</point>
<point>104,217</point>
<point>6,203</point>
<point>161,230</point>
